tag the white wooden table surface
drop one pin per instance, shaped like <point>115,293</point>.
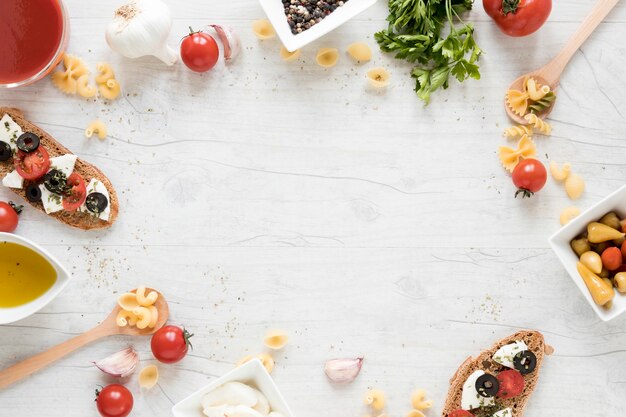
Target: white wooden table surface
<point>272,194</point>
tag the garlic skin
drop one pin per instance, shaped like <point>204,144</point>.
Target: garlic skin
<point>141,28</point>
<point>120,364</point>
<point>230,41</point>
<point>343,371</point>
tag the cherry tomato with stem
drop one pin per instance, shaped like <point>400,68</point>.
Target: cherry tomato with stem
<point>9,216</point>
<point>518,17</point>
<point>199,51</point>
<point>529,176</point>
<point>170,344</point>
<point>114,400</point>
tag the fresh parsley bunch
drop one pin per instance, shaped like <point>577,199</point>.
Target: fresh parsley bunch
<point>415,35</point>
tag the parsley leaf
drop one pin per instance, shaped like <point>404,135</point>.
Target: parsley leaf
<point>431,34</point>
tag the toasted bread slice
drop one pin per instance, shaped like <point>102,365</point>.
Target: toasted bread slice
<point>81,220</point>
<point>484,361</point>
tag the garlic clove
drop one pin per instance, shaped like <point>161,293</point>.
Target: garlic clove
<point>149,376</point>
<point>231,393</point>
<point>276,339</point>
<point>120,364</point>
<point>230,40</point>
<point>343,371</point>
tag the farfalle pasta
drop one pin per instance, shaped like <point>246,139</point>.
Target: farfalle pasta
<point>517,101</point>
<point>66,80</point>
<point>533,98</point>
<point>327,57</point>
<point>539,124</point>
<point>510,157</point>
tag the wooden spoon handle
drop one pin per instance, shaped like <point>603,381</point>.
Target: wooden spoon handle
<point>28,366</point>
<point>553,70</point>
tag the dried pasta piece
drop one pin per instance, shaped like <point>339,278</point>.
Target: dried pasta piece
<point>110,90</point>
<point>541,105</point>
<point>125,318</point>
<point>146,300</point>
<point>574,186</point>
<point>378,77</point>
<point>518,131</point>
<point>419,401</point>
<point>375,398</point>
<point>243,360</point>
<point>84,89</point>
<point>97,127</point>
<point>66,81</point>
<point>154,316</point>
<point>517,101</point>
<point>105,73</point>
<point>143,317</point>
<point>276,339</point>
<point>568,214</point>
<point>538,123</point>
<point>128,301</point>
<point>509,157</point>
<point>263,29</point>
<point>535,90</point>
<point>360,51</point>
<point>289,56</point>
<point>267,361</point>
<point>327,57</point>
<point>414,413</point>
<point>562,173</point>
<point>149,376</point>
<point>74,65</point>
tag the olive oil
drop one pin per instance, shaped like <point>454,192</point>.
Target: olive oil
<point>24,275</point>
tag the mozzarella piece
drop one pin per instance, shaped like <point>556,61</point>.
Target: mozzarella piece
<point>96,186</point>
<point>9,131</point>
<point>504,356</point>
<point>64,163</point>
<point>507,412</point>
<point>51,202</point>
<point>470,398</point>
<point>13,180</point>
<point>231,393</point>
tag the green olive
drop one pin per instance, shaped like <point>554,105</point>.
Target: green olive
<point>580,245</point>
<point>611,220</point>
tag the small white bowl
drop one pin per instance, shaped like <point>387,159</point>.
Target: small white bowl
<point>560,242</point>
<point>9,315</point>
<point>276,15</point>
<point>252,373</point>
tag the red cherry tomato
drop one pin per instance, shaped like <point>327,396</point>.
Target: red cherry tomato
<point>529,176</point>
<point>8,216</point>
<point>612,258</point>
<point>170,344</point>
<point>32,165</point>
<point>77,194</point>
<point>460,413</point>
<point>623,249</point>
<point>518,17</point>
<point>199,51</point>
<point>511,384</point>
<point>114,401</point>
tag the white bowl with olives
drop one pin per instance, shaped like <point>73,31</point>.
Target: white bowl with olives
<point>579,245</point>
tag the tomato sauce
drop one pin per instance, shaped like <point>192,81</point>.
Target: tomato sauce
<point>31,32</point>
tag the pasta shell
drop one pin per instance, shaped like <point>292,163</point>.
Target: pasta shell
<point>149,376</point>
<point>360,51</point>
<point>276,339</point>
<point>263,29</point>
<point>128,301</point>
<point>327,57</point>
<point>378,77</point>
<point>289,56</point>
<point>574,186</point>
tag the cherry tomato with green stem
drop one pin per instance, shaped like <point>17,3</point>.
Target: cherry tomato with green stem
<point>199,51</point>
<point>518,17</point>
<point>114,400</point>
<point>9,216</point>
<point>170,344</point>
<point>529,176</point>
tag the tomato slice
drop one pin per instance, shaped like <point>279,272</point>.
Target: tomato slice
<point>460,413</point>
<point>77,194</point>
<point>511,384</point>
<point>32,165</point>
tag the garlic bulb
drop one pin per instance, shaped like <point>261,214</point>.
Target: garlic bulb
<point>141,28</point>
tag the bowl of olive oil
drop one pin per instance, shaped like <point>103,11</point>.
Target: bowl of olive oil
<point>29,278</point>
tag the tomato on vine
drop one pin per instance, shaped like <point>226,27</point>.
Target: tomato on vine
<point>518,17</point>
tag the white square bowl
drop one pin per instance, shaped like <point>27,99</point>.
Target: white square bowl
<point>252,373</point>
<point>9,315</point>
<point>560,243</point>
<point>276,15</point>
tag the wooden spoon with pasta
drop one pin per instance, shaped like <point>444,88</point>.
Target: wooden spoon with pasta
<point>550,74</point>
<point>108,327</point>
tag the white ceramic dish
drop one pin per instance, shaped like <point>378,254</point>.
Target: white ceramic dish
<point>252,373</point>
<point>560,242</point>
<point>9,315</point>
<point>276,15</point>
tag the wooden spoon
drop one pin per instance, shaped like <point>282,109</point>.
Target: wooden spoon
<point>108,327</point>
<point>550,74</point>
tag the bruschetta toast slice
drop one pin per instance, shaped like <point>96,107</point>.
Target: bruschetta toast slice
<point>500,380</point>
<point>67,188</point>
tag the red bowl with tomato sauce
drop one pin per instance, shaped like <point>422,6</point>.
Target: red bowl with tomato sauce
<point>33,38</point>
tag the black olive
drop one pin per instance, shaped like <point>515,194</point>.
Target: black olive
<point>5,151</point>
<point>55,181</point>
<point>487,385</point>
<point>96,202</point>
<point>525,362</point>
<point>33,193</point>
<point>27,142</point>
